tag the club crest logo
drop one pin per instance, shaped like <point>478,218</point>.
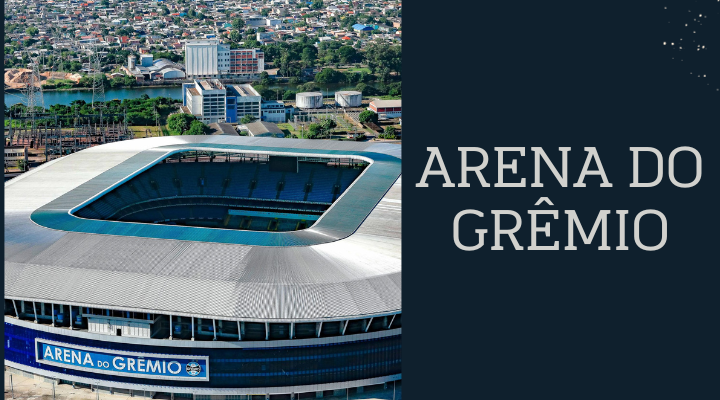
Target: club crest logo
<point>193,368</point>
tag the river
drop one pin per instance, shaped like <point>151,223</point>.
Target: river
<point>68,96</point>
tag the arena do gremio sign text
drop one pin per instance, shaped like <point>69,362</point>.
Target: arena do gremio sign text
<point>141,365</point>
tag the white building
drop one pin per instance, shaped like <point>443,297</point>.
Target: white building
<point>273,111</point>
<point>205,100</point>
<point>13,154</point>
<point>242,100</point>
<point>209,58</point>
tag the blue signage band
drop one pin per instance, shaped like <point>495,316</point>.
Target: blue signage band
<point>122,363</point>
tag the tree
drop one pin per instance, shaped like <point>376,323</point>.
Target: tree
<point>368,116</point>
<point>235,36</point>
<point>328,125</point>
<point>309,54</point>
<point>179,123</point>
<point>383,58</point>
<point>22,165</point>
<point>347,54</point>
<point>32,31</point>
<point>197,128</point>
<point>247,119</point>
<point>251,43</point>
<point>315,131</point>
<point>389,132</point>
<point>329,75</point>
<point>264,78</point>
<point>238,24</point>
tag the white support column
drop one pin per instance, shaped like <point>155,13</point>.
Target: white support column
<point>70,316</point>
<point>192,327</point>
<point>292,330</point>
<point>391,321</point>
<point>239,331</point>
<point>52,306</point>
<point>267,331</point>
<point>35,312</point>
<point>368,324</point>
<point>214,330</point>
<point>17,314</point>
<point>319,328</point>
<point>345,327</point>
<point>171,330</point>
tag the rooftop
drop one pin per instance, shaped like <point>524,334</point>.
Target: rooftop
<point>346,265</point>
<point>243,90</point>
<point>263,129</point>
<point>387,103</point>
<point>213,84</point>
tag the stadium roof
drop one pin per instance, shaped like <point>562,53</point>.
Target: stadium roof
<point>345,266</point>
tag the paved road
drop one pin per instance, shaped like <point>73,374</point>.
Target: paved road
<point>25,388</point>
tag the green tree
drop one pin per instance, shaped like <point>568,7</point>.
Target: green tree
<point>315,131</point>
<point>388,133</point>
<point>235,36</point>
<point>328,125</point>
<point>329,75</point>
<point>197,128</point>
<point>383,58</point>
<point>309,54</point>
<point>368,116</point>
<point>238,24</point>
<point>179,123</point>
<point>264,78</point>
<point>32,31</point>
<point>347,54</point>
<point>246,119</point>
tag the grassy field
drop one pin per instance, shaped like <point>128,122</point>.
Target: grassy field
<point>139,131</point>
<point>288,129</point>
<point>356,69</point>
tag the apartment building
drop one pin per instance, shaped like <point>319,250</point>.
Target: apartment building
<point>208,58</point>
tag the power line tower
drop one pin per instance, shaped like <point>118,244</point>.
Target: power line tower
<point>98,87</point>
<point>98,100</point>
<point>32,90</point>
<point>156,114</point>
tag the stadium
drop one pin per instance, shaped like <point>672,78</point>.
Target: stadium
<point>208,267</point>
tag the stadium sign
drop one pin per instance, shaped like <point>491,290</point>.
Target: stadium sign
<point>122,363</point>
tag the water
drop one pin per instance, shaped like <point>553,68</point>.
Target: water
<point>66,97</point>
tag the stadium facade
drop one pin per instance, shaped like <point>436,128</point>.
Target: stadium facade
<point>208,267</point>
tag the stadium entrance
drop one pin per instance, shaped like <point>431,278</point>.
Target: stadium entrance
<point>245,191</point>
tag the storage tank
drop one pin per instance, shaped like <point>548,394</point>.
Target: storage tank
<point>309,100</point>
<point>131,63</point>
<point>348,98</point>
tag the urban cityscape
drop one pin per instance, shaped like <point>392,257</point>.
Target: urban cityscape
<point>79,74</point>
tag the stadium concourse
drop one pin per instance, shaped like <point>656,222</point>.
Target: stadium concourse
<point>208,267</point>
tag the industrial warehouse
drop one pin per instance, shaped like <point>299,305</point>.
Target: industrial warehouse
<point>208,267</point>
